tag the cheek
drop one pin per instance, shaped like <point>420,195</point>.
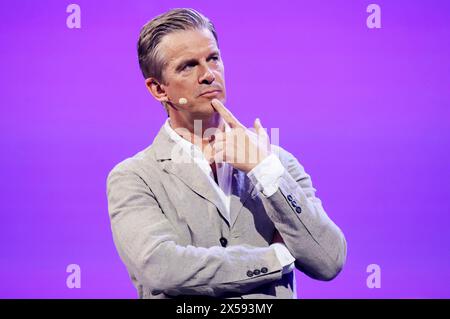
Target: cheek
<point>180,87</point>
<point>183,91</point>
<point>221,72</point>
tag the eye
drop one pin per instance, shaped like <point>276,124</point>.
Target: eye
<point>188,66</point>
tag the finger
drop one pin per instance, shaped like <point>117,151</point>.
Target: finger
<point>219,157</point>
<point>262,138</point>
<point>219,137</point>
<point>225,113</point>
<point>225,137</point>
<point>257,126</point>
<point>218,147</point>
<point>260,131</point>
<point>208,153</point>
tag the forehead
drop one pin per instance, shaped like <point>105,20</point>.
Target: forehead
<point>184,44</point>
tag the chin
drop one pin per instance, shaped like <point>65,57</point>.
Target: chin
<point>205,113</point>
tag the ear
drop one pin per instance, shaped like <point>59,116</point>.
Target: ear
<point>156,89</point>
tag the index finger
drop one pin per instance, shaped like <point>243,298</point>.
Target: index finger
<point>225,113</point>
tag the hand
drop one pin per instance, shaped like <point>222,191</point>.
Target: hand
<point>239,147</point>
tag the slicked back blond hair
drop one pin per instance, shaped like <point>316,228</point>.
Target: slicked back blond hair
<point>151,61</point>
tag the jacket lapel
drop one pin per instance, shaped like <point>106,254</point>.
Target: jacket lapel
<point>174,162</point>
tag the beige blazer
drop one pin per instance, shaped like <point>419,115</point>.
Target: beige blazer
<point>169,229</point>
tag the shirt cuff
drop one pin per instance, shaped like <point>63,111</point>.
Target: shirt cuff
<point>266,175</point>
<point>285,257</point>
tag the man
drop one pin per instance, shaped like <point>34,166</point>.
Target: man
<point>211,208</point>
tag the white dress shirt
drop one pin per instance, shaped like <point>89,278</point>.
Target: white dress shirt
<point>264,176</point>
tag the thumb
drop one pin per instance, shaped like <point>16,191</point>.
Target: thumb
<point>259,130</point>
<point>261,134</point>
<point>257,126</point>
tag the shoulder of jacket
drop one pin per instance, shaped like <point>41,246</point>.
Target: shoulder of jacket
<point>136,163</point>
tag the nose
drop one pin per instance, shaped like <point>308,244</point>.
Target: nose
<point>207,77</point>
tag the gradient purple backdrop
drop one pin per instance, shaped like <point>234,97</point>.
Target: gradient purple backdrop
<point>366,111</point>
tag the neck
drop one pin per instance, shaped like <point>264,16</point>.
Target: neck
<point>193,129</point>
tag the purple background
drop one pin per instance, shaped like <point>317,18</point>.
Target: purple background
<point>366,111</point>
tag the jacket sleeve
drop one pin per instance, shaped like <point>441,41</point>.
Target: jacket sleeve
<point>147,244</point>
<point>317,244</point>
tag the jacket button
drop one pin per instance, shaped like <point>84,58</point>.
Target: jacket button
<point>289,197</point>
<point>294,203</point>
<point>223,241</point>
<point>250,273</point>
<point>264,270</point>
<point>298,209</point>
<point>256,272</point>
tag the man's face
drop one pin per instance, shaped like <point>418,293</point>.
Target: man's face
<point>193,67</point>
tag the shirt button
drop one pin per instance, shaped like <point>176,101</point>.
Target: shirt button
<point>249,273</point>
<point>298,209</point>
<point>223,241</point>
<point>264,270</point>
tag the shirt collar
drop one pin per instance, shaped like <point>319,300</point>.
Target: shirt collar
<point>186,145</point>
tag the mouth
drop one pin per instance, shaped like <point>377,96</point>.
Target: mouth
<point>210,94</point>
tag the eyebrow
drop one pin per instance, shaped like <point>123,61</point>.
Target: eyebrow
<point>183,63</point>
